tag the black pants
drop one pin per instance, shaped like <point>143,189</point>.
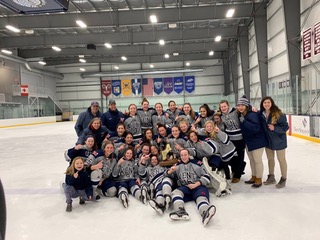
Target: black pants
<point>237,163</point>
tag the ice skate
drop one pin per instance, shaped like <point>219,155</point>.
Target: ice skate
<point>181,214</point>
<point>167,201</point>
<point>157,207</point>
<point>219,184</point>
<point>208,214</point>
<point>124,200</point>
<point>144,195</point>
<point>152,191</point>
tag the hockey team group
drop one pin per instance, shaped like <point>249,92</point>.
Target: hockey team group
<point>168,157</point>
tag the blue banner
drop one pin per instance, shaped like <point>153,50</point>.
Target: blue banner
<point>189,83</point>
<point>178,84</point>
<point>157,85</point>
<point>136,86</point>
<point>116,87</point>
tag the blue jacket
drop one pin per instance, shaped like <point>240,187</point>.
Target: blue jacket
<point>252,132</point>
<point>84,120</point>
<point>82,182</point>
<point>99,135</point>
<point>277,139</point>
<point>110,119</point>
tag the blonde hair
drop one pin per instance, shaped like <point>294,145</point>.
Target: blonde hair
<point>213,134</point>
<point>71,169</point>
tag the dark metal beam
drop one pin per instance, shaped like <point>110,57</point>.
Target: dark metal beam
<point>260,27</point>
<point>292,25</point>
<point>234,68</point>
<point>128,50</point>
<point>244,55</point>
<point>171,35</point>
<point>226,73</point>
<point>125,18</point>
<point>135,59</point>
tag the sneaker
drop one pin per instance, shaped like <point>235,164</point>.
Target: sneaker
<point>270,180</point>
<point>181,214</point>
<point>208,214</point>
<point>69,207</point>
<point>81,201</point>
<point>156,206</point>
<point>281,183</point>
<point>167,201</point>
<point>124,200</point>
<point>144,195</point>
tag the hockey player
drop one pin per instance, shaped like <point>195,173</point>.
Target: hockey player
<point>133,122</point>
<point>153,174</point>
<point>125,174</point>
<point>101,168</point>
<point>81,150</point>
<point>145,113</point>
<point>159,117</point>
<point>192,181</point>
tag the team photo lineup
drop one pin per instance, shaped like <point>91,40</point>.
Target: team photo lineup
<point>167,155</point>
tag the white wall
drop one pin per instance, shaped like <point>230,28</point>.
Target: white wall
<point>78,93</point>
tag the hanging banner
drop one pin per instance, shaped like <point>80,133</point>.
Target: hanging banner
<point>306,44</point>
<point>106,88</point>
<point>158,86</point>
<point>316,39</point>
<point>116,87</point>
<point>178,84</point>
<point>189,84</point>
<point>147,86</point>
<point>136,86</point>
<point>168,85</point>
<point>24,90</point>
<point>126,87</point>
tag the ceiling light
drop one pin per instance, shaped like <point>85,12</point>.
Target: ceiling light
<point>13,29</point>
<point>124,58</point>
<point>82,60</point>
<point>56,48</point>
<point>217,39</point>
<point>211,53</point>
<point>29,31</point>
<point>81,56</point>
<point>161,42</point>
<point>151,66</point>
<point>175,54</point>
<point>230,13</point>
<point>116,67</point>
<point>166,55</point>
<point>172,25</point>
<point>81,24</point>
<point>82,69</point>
<point>108,45</point>
<point>187,64</point>
<point>6,51</point>
<point>153,19</point>
<point>42,62</point>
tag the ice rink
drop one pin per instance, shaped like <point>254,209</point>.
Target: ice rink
<point>32,167</point>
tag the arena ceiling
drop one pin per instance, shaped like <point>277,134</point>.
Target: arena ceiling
<point>188,28</point>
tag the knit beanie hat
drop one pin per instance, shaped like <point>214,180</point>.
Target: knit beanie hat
<point>243,101</point>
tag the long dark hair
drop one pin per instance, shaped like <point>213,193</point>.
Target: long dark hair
<point>275,111</point>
